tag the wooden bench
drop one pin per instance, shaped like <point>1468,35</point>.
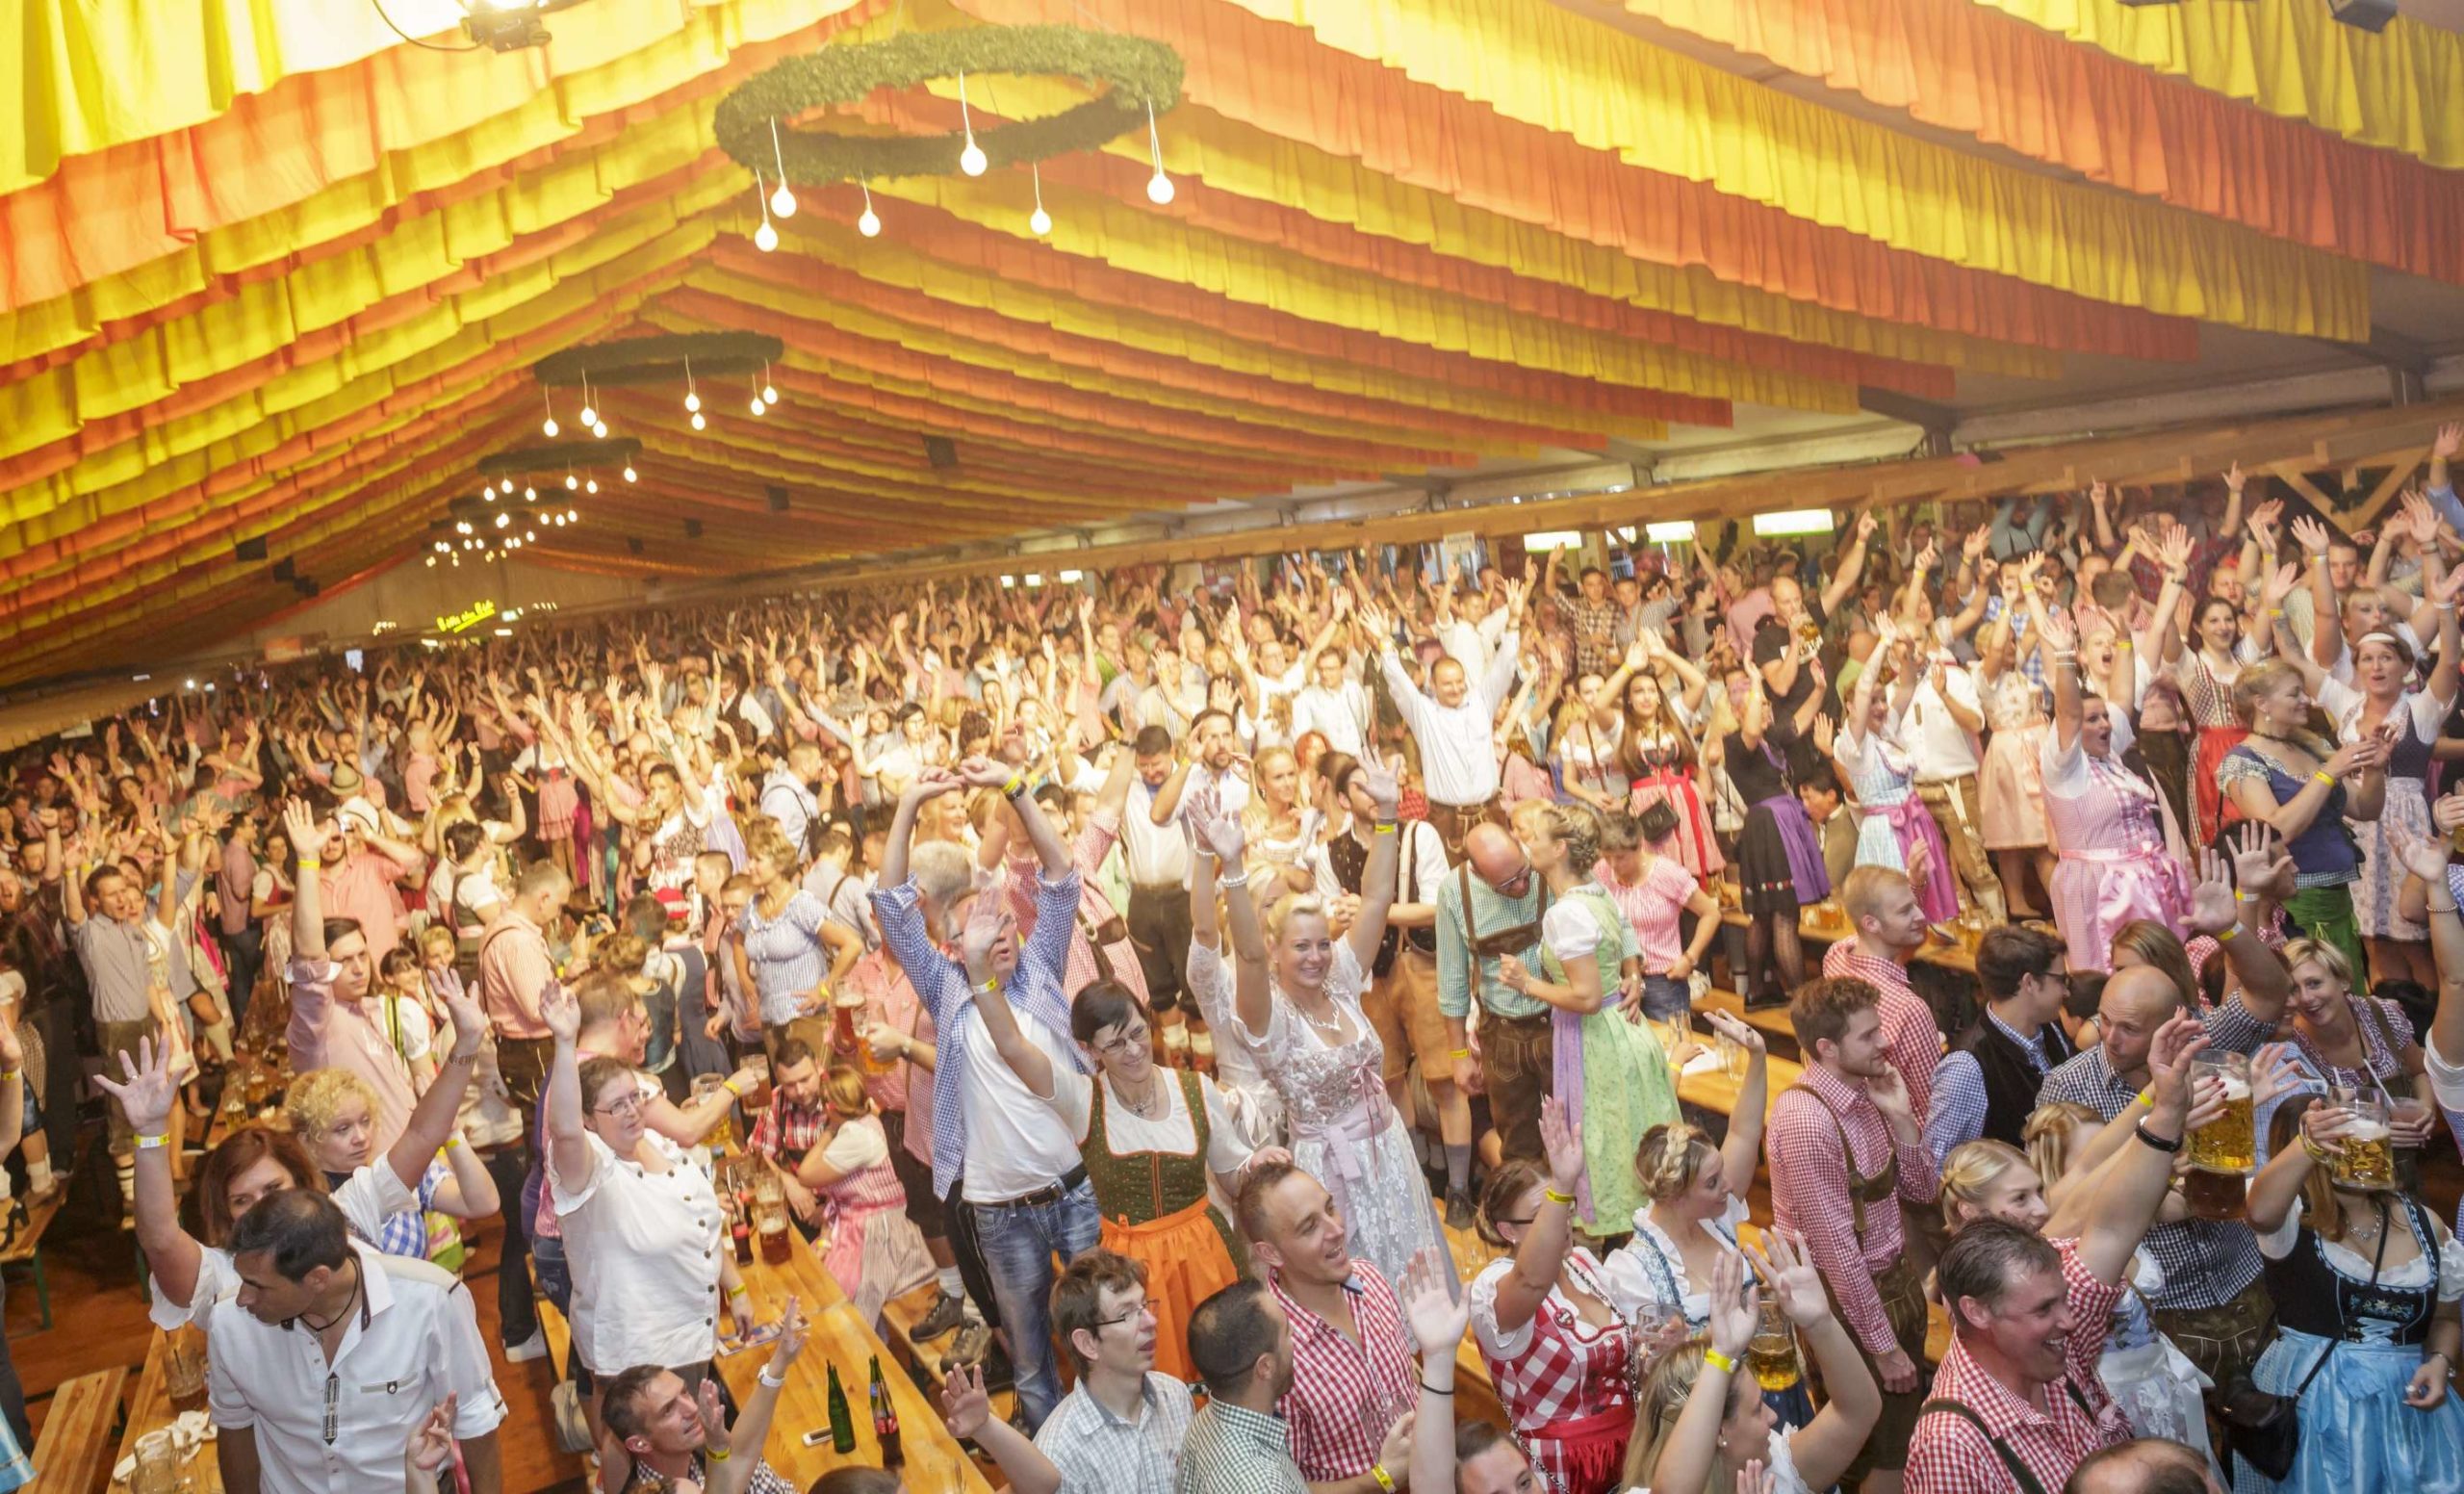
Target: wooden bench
<point>923,1356</point>
<point>73,1454</point>
<point>1779,1034</point>
<point>26,1248</point>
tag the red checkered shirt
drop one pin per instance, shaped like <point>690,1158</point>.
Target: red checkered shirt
<point>1809,1191</point>
<point>786,1131</point>
<point>1950,1455</point>
<point>1910,1036</point>
<point>1563,1370</point>
<point>1343,1394</point>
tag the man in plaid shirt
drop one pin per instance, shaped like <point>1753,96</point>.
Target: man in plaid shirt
<point>1354,1370</point>
<point>1845,1151</point>
<point>790,1129</point>
<point>1890,928</point>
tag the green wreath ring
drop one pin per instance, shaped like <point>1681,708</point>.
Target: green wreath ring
<point>1140,73</point>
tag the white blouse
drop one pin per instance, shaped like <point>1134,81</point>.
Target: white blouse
<point>1173,1133</point>
<point>366,1198</point>
<point>643,1250</point>
<point>1646,1275</point>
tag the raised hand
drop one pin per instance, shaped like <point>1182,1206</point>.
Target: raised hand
<point>1735,1030</point>
<point>1560,1141</point>
<point>965,1405</point>
<point>982,772</point>
<point>1735,1306</point>
<point>1381,783</point>
<point>2274,1069</point>
<point>146,1094</point>
<point>2426,856</point>
<point>2323,1127</point>
<point>1788,1272</point>
<point>1438,1318</point>
<point>561,1010</point>
<point>933,783</point>
<point>470,1019</point>
<point>2448,441</point>
<point>299,825</point>
<point>1217,832</point>
<point>2168,1061</point>
<point>2212,906</point>
<point>1978,540</point>
<point>985,920</point>
<point>2311,535</point>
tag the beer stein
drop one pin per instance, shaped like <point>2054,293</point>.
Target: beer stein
<point>2369,1160</point>
<point>2228,1144</point>
<point>721,1135</point>
<point>1772,1354</point>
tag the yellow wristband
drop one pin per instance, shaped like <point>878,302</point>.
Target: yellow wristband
<point>309,863</point>
<point>148,1143</point>
<point>729,1084</point>
<point>1385,1479</point>
<point>1460,1053</point>
<point>1385,827</point>
<point>1555,1196</point>
<point>452,1142</point>
<point>2324,777</point>
<point>2226,936</point>
<point>2147,1098</point>
<point>1010,789</point>
<point>1719,1362</point>
<point>738,1290</point>
<point>715,1455</point>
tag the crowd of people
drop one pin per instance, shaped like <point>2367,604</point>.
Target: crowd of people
<point>1244,983</point>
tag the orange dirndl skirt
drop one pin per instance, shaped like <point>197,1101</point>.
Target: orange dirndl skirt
<point>1186,1263</point>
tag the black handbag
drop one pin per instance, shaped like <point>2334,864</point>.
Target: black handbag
<point>2263,1428</point>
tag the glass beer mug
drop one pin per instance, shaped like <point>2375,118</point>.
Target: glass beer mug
<point>2227,1146</point>
<point>2369,1160</point>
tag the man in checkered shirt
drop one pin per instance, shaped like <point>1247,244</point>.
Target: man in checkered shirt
<point>1354,1370</point>
<point>2213,1305</point>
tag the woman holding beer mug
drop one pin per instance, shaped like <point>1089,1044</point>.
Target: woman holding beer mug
<point>2359,1042</point>
<point>1690,1443</point>
<point>2366,1284</point>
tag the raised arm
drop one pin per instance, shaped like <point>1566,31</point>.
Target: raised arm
<point>432,1120</point>
<point>307,909</point>
<point>1378,879</point>
<point>1221,839</point>
<point>1741,1150</point>
<point>1541,1255</point>
<point>2110,1216</point>
<point>2327,627</point>
<point>568,1143</point>
<point>1824,1446</point>
<point>1852,566</point>
<point>145,1093</point>
<point>737,1471</point>
<point>987,919</point>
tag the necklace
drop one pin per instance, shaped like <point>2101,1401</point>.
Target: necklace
<point>1330,1026</point>
<point>357,1278</point>
<point>1149,1106</point>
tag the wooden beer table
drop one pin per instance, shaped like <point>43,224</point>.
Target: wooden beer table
<point>836,1336</point>
<point>149,1409</point>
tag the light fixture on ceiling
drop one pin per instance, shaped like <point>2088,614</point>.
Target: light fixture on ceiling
<point>1159,187</point>
<point>1038,221</point>
<point>759,407</point>
<point>782,202</point>
<point>764,238</point>
<point>972,157</point>
<point>548,427</point>
<point>869,222</point>
<point>769,391</point>
<point>630,473</point>
<point>589,416</point>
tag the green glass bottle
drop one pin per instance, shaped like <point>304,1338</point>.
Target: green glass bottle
<point>843,1426</point>
<point>886,1419</point>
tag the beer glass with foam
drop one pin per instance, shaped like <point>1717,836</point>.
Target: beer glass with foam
<point>2369,1160</point>
<point>2228,1144</point>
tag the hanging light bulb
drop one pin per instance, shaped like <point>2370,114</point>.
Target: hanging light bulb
<point>529,494</point>
<point>504,519</point>
<point>629,472</point>
<point>698,422</point>
<point>869,222</point>
<point>571,482</point>
<point>431,561</point>
<point>769,393</point>
<point>547,427</point>
<point>487,495</point>
<point>1038,221</point>
<point>573,516</point>
<point>692,396</point>
<point>589,416</point>
<point>1159,187</point>
<point>530,536</point>
<point>764,238</point>
<point>461,525</point>
<point>600,430</point>
<point>758,406</point>
<point>782,201</point>
<point>507,486</point>
<point>971,160</point>
<point>592,486</point>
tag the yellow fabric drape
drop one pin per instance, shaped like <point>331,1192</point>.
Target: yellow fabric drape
<point>342,139</point>
<point>1143,242</point>
<point>2402,89</point>
<point>1658,110</point>
<point>1971,69</point>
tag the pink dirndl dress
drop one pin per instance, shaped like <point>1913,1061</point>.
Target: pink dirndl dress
<point>874,1252</point>
<point>2121,855</point>
<point>1669,779</point>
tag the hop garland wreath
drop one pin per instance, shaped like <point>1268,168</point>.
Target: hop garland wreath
<point>1139,72</point>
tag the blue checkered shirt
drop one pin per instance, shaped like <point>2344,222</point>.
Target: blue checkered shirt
<point>1033,989</point>
<point>2207,1262</point>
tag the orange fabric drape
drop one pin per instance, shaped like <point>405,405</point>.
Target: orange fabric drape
<point>1280,80</point>
<point>1965,68</point>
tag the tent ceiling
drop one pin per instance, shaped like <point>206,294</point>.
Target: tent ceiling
<point>289,286</point>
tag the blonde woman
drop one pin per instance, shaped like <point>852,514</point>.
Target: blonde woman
<point>2287,777</point>
<point>1698,1421</point>
<point>332,1112</point>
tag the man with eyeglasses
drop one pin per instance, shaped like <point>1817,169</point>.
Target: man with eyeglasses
<point>1119,1429</point>
<point>1488,910</point>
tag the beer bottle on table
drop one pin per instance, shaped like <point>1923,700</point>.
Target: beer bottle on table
<point>884,1420</point>
<point>843,1426</point>
<point>740,1227</point>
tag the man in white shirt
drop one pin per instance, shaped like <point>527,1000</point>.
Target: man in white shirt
<point>1942,726</point>
<point>787,796</point>
<point>1332,705</point>
<point>1455,723</point>
<point>1156,858</point>
<point>339,1356</point>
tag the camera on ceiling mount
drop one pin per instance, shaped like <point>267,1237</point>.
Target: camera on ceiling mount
<point>510,25</point>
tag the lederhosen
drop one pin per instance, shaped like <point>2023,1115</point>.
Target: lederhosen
<point>1903,1300</point>
<point>1515,1051</point>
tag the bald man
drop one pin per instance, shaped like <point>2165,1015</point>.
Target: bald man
<point>2213,1304</point>
<point>2146,1465</point>
<point>1489,909</point>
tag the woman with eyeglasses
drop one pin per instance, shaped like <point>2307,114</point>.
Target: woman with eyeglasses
<point>644,1235</point>
<point>1151,1138</point>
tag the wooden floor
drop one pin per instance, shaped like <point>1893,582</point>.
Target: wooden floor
<point>98,1320</point>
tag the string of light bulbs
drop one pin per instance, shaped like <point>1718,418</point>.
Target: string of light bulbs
<point>972,162</point>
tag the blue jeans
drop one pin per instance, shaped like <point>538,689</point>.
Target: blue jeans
<point>1663,999</point>
<point>1019,1243</point>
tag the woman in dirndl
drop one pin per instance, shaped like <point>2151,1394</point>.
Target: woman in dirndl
<point>1879,770</point>
<point>1563,1359</point>
<point>1152,1137</point>
<point>1659,750</point>
<point>874,1252</point>
<point>1779,859</point>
